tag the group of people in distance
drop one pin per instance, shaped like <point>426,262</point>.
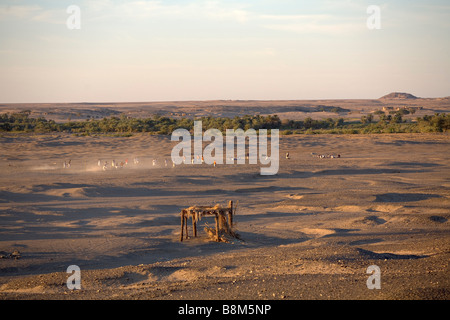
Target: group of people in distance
<point>115,164</point>
<point>323,156</point>
<point>119,165</point>
<point>106,165</point>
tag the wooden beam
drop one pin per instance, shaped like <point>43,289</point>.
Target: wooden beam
<point>230,214</point>
<point>186,227</point>
<point>194,224</point>
<point>182,224</point>
<point>217,227</point>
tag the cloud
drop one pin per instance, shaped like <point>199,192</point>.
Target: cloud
<point>110,11</point>
<point>272,17</point>
<point>14,12</point>
<point>210,10</point>
<point>313,23</point>
<point>32,13</point>
<point>307,27</point>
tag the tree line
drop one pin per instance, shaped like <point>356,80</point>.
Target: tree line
<point>22,122</point>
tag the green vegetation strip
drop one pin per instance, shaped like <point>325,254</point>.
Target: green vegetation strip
<point>126,126</point>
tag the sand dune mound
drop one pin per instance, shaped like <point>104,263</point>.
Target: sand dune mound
<point>131,278</point>
<point>69,190</point>
<point>48,192</point>
<point>296,208</point>
<point>68,193</point>
<point>369,221</point>
<point>385,208</point>
<point>335,253</point>
<point>317,232</point>
<point>350,208</point>
<point>295,196</point>
<point>386,255</point>
<point>420,219</point>
<point>332,253</point>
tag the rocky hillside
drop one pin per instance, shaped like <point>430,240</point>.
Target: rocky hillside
<point>399,95</point>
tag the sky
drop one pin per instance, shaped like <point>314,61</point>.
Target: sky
<point>175,50</point>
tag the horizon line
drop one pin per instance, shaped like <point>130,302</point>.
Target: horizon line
<point>206,100</point>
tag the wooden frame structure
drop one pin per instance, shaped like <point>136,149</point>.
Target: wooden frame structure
<point>223,218</point>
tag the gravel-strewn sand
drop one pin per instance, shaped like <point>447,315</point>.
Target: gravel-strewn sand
<point>310,232</point>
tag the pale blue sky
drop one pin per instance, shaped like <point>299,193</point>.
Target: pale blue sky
<point>201,50</point>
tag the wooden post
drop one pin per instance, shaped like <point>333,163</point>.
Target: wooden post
<point>185,225</point>
<point>182,224</point>
<point>230,214</point>
<point>217,227</point>
<point>194,224</point>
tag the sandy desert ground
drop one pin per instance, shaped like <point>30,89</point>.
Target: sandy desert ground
<point>310,232</point>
